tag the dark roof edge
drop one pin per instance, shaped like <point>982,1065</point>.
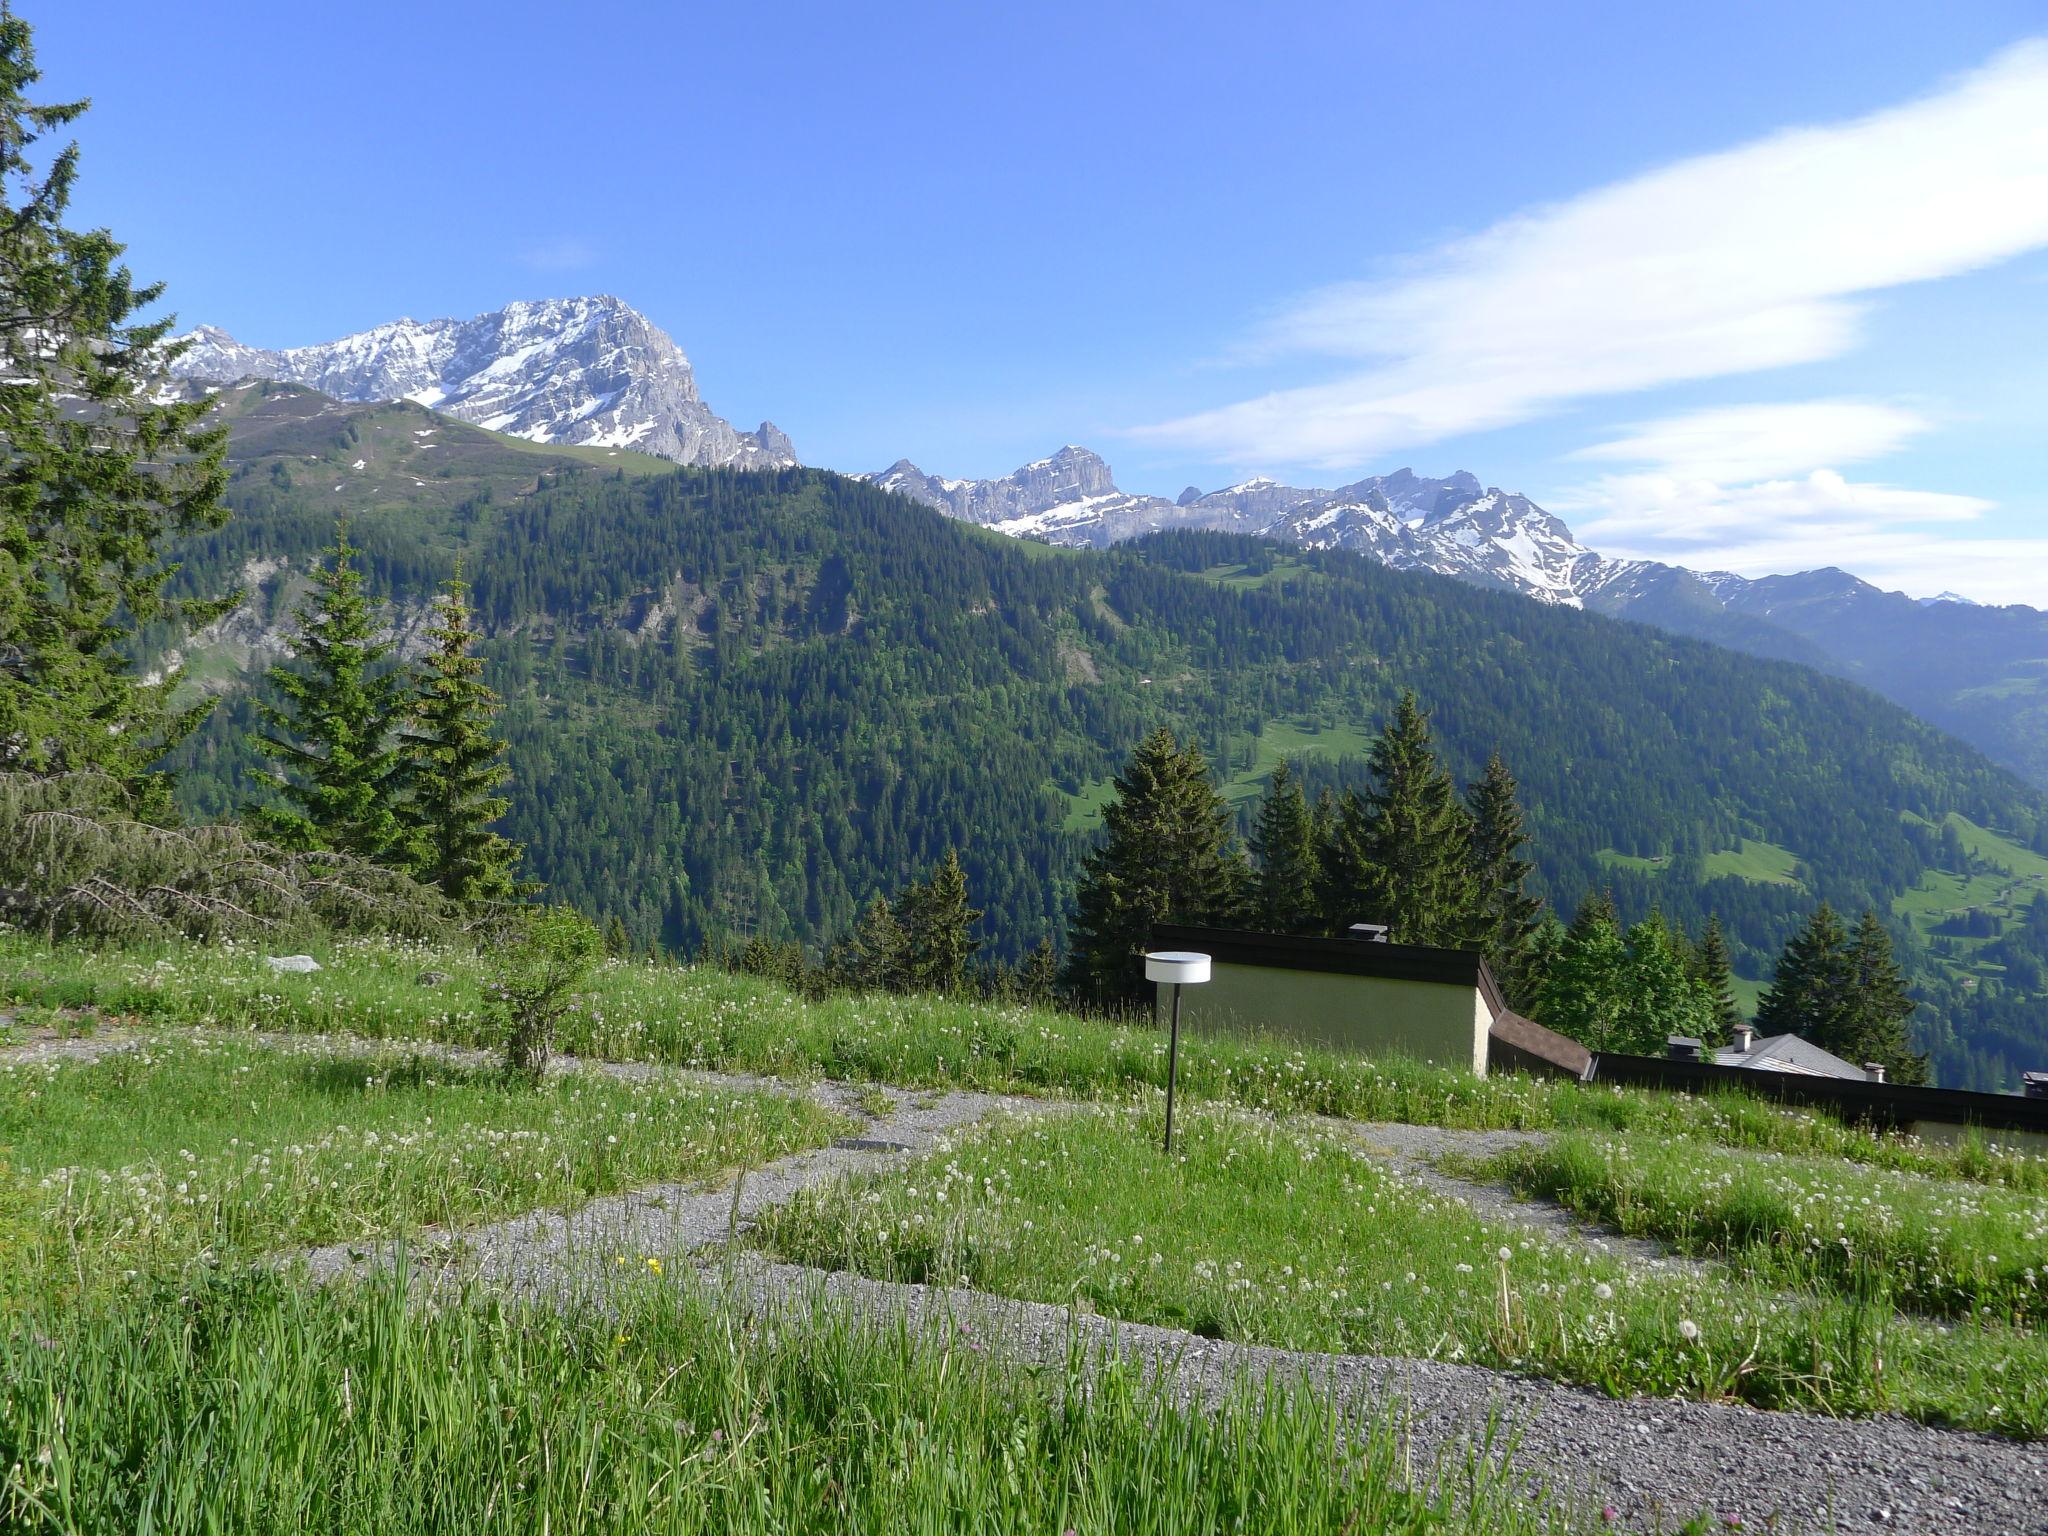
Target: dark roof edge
<point>1339,957</point>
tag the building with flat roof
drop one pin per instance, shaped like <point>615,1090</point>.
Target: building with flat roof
<point>1364,995</point>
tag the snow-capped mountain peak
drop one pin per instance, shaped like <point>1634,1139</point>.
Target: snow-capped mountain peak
<point>1451,525</point>
<point>575,371</point>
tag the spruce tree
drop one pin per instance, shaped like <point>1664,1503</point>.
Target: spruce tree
<point>1167,856</point>
<point>871,958</point>
<point>1882,1008</point>
<point>1284,845</point>
<point>1715,976</point>
<point>451,765</point>
<point>1811,994</point>
<point>97,479</point>
<point>1402,851</point>
<point>1039,974</point>
<point>938,928</point>
<point>333,735</point>
<point>1508,915</point>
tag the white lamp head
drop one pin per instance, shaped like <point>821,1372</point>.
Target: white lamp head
<point>1179,965</point>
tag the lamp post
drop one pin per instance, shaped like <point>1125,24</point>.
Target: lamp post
<point>1183,968</point>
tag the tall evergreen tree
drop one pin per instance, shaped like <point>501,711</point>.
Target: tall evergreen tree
<point>1167,856</point>
<point>1882,1007</point>
<point>871,958</point>
<point>452,765</point>
<point>1812,990</point>
<point>1716,978</point>
<point>938,928</point>
<point>1284,846</point>
<point>1508,915</point>
<point>1402,850</point>
<point>96,477</point>
<point>334,733</point>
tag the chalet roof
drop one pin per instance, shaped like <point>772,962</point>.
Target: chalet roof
<point>1789,1053</point>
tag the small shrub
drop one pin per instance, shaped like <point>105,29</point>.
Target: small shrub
<point>541,956</point>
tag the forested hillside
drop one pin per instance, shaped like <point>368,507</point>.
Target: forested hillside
<point>744,702</point>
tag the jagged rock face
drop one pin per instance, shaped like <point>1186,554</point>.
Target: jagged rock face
<point>573,371</point>
<point>1068,498</point>
<point>1453,525</point>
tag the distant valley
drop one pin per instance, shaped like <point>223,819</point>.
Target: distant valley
<point>593,373</point>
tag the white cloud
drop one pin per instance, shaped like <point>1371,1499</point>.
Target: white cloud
<point>1882,533</point>
<point>1719,265</point>
<point>1761,442</point>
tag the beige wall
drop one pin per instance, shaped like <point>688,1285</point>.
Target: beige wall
<point>1431,1021</point>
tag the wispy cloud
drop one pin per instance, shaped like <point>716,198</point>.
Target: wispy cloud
<point>564,254</point>
<point>1758,442</point>
<point>1724,264</point>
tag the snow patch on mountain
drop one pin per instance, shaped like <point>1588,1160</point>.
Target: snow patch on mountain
<point>1452,525</point>
<point>584,371</point>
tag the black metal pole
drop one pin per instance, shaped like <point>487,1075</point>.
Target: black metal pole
<point>1172,1066</point>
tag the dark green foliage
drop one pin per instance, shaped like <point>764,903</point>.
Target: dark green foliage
<point>1508,914</point>
<point>1287,858</point>
<point>539,957</point>
<point>1845,994</point>
<point>1712,973</point>
<point>1402,849</point>
<point>451,766</point>
<point>741,703</point>
<point>334,733</point>
<point>1810,992</point>
<point>1038,974</point>
<point>97,479</point>
<point>871,958</point>
<point>1882,1006</point>
<point>1167,856</point>
<point>938,929</point>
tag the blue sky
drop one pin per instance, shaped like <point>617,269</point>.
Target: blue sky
<point>1757,286</point>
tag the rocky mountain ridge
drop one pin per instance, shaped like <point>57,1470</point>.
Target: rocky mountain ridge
<point>583,371</point>
<point>1976,670</point>
<point>1454,525</point>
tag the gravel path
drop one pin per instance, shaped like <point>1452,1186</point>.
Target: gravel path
<point>38,1045</point>
<point>1657,1463</point>
<point>549,1252</point>
<point>1414,1149</point>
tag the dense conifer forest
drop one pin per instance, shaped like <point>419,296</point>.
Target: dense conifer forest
<point>745,703</point>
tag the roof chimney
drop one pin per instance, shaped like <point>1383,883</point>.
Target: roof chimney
<point>1683,1048</point>
<point>1874,1070</point>
<point>1371,933</point>
<point>1745,1037</point>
